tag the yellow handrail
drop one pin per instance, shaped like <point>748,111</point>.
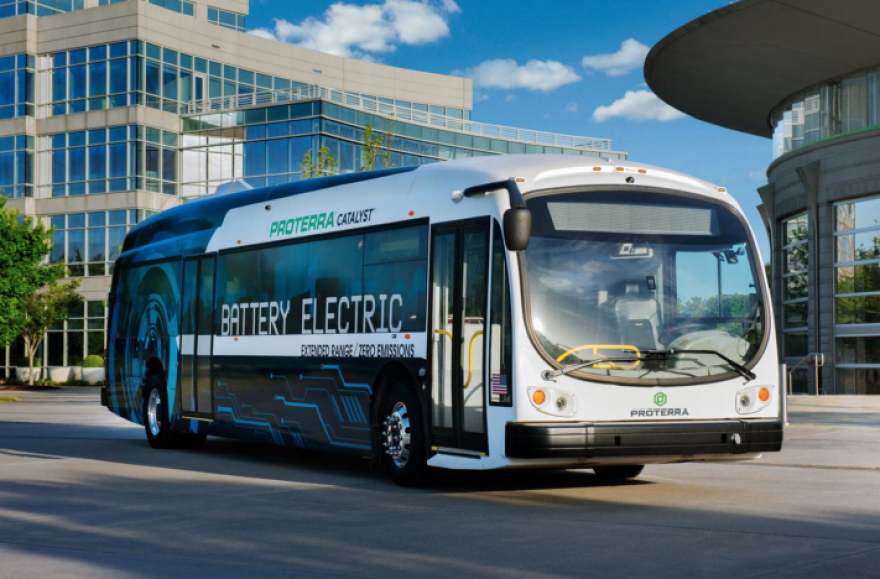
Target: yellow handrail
<point>471,358</point>
<point>448,334</point>
<point>611,365</point>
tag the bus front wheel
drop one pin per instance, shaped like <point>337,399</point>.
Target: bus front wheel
<point>618,472</point>
<point>159,433</point>
<point>402,436</point>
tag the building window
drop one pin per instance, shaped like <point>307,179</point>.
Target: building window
<point>90,242</point>
<point>17,85</point>
<point>795,278</point>
<point>834,108</point>
<point>226,19</point>
<point>180,6</point>
<point>10,8</point>
<point>857,261</point>
<point>269,147</point>
<point>95,78</point>
<point>857,365</point>
<point>81,334</point>
<point>111,160</point>
<point>17,166</point>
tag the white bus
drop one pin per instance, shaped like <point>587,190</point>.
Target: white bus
<point>498,312</point>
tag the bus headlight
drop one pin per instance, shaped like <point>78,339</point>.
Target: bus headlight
<point>753,399</point>
<point>553,401</point>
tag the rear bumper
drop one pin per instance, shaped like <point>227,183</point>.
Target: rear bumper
<point>641,439</point>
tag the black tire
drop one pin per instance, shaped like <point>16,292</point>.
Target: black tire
<point>159,433</point>
<point>623,472</point>
<point>400,401</point>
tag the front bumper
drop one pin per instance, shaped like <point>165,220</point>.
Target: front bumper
<point>641,439</point>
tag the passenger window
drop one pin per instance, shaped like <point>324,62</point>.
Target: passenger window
<point>396,245</point>
<point>396,278</point>
<point>335,270</point>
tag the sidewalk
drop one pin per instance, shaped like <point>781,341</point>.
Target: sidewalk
<point>863,411</point>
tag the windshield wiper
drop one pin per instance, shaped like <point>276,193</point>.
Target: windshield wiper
<point>665,354</point>
<point>551,374</point>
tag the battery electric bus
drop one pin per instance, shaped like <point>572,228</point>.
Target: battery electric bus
<point>497,312</point>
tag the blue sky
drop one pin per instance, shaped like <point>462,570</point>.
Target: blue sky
<point>481,37</point>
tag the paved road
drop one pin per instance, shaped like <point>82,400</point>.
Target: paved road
<point>82,495</point>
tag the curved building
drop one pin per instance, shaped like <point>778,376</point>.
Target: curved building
<point>806,75</point>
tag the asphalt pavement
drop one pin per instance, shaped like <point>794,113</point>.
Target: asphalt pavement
<point>83,495</point>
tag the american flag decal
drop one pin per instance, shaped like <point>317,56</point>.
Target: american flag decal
<point>499,385</point>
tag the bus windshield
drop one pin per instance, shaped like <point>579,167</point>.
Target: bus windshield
<point>624,274</point>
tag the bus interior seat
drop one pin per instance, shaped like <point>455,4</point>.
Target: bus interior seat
<point>638,316</point>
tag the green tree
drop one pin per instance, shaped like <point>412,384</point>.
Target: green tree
<point>372,148</point>
<point>377,144</point>
<point>323,166</point>
<point>46,307</point>
<point>23,247</point>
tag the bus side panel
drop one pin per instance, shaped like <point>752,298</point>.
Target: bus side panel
<point>144,330</point>
<point>313,403</point>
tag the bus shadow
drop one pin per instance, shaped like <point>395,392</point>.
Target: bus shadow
<point>229,457</point>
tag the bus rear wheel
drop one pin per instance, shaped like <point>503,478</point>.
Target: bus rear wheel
<point>618,472</point>
<point>402,436</point>
<point>159,433</point>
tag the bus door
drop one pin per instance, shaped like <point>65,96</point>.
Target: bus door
<point>458,321</point>
<point>197,336</point>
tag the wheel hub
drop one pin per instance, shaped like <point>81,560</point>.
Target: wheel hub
<point>397,435</point>
<point>154,412</point>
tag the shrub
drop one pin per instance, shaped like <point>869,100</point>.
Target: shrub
<point>93,361</point>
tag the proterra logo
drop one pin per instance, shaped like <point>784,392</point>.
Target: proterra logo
<point>660,400</point>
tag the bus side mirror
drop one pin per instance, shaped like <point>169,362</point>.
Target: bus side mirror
<point>517,219</point>
<point>517,228</point>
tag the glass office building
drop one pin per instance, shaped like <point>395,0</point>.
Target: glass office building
<point>114,110</point>
<point>818,102</point>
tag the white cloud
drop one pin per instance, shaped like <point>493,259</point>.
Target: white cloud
<point>543,75</point>
<point>758,176</point>
<point>637,105</point>
<point>353,30</point>
<point>573,107</point>
<point>631,56</point>
<point>480,96</point>
<point>509,98</point>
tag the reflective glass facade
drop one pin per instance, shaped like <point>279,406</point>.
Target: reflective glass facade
<point>110,160</point>
<point>266,145</point>
<point>226,19</point>
<point>17,86</point>
<point>795,284</point>
<point>17,166</point>
<point>836,108</point>
<point>90,242</point>
<point>857,262</point>
<point>857,296</point>
<point>10,8</point>
<point>96,78</point>
<point>81,335</point>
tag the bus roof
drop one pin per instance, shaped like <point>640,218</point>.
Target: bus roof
<point>197,220</point>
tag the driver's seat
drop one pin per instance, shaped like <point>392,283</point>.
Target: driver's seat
<point>638,315</point>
